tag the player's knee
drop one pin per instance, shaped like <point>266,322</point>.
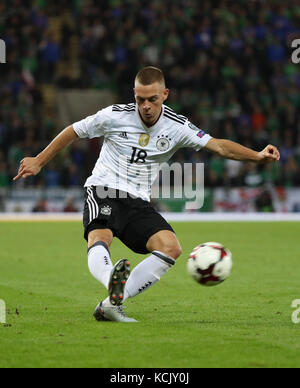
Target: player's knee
<point>173,250</point>
<point>100,235</point>
<point>176,252</point>
<point>165,242</point>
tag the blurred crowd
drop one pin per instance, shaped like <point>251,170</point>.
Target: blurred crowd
<point>228,65</point>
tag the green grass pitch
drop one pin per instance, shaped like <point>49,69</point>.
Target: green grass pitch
<point>245,322</point>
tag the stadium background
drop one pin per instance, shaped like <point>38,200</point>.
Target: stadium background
<point>228,65</point>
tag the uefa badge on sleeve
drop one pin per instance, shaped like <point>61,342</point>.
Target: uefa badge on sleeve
<point>199,131</point>
<point>201,134</point>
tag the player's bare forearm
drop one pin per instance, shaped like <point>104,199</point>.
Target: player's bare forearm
<point>64,139</point>
<point>32,166</point>
<point>231,150</point>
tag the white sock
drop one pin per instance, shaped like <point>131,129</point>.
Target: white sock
<point>99,262</point>
<point>147,273</point>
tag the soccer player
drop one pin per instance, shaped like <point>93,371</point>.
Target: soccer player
<point>136,137</point>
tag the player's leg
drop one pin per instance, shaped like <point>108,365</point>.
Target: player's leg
<point>165,249</point>
<point>98,232</point>
<point>99,261</point>
<point>100,229</point>
<point>165,242</point>
<point>113,277</point>
<point>104,235</point>
<point>99,235</point>
<point>147,231</point>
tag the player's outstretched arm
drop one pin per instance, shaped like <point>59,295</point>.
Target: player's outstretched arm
<point>32,166</point>
<point>231,150</point>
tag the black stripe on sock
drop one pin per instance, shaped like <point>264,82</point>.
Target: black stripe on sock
<point>99,243</point>
<point>165,258</point>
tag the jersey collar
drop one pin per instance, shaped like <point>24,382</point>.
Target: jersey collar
<point>154,126</point>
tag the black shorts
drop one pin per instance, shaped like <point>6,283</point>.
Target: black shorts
<point>132,220</point>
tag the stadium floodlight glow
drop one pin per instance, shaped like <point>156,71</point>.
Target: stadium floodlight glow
<point>2,51</point>
<point>2,311</point>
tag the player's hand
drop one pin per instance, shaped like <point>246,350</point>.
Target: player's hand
<point>28,167</point>
<point>269,154</point>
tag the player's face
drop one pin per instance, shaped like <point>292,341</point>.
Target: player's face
<point>150,99</point>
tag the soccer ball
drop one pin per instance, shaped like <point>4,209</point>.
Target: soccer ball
<point>210,264</point>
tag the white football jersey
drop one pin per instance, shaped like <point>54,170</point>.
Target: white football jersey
<point>132,153</point>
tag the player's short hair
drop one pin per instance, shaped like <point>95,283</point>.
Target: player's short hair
<point>149,75</point>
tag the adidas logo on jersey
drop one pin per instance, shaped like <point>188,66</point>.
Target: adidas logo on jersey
<point>123,135</point>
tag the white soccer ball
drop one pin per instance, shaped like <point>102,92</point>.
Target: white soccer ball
<point>210,264</point>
